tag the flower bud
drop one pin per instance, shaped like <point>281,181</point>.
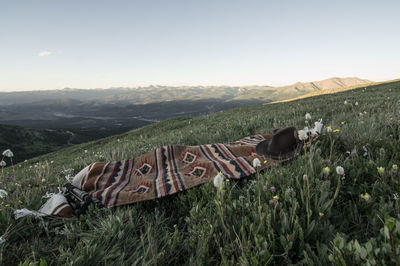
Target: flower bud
<point>326,170</point>
<point>340,170</point>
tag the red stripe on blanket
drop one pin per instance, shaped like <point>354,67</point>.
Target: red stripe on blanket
<point>222,166</point>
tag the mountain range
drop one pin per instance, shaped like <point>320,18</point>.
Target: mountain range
<point>157,93</point>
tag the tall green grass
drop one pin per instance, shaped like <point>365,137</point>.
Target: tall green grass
<point>320,218</point>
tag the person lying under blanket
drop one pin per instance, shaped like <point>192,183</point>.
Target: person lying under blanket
<point>174,168</point>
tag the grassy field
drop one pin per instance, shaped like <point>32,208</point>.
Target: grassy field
<point>315,216</point>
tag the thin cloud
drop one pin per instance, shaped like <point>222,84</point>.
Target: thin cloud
<point>45,53</point>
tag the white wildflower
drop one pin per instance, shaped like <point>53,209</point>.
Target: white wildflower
<point>345,102</point>
<point>3,193</point>
<point>317,128</point>
<point>218,180</point>
<point>329,129</point>
<point>340,170</point>
<point>256,163</point>
<point>69,174</point>
<point>43,180</point>
<point>69,178</point>
<point>365,151</point>
<point>3,163</point>
<point>356,104</point>
<point>289,190</point>
<point>85,151</point>
<point>308,116</point>
<point>303,134</point>
<point>8,153</point>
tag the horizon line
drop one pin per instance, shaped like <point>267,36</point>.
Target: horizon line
<point>185,85</point>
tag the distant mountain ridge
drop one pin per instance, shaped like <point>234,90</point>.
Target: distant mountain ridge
<point>336,82</point>
<point>300,88</point>
<point>330,83</point>
<point>156,93</point>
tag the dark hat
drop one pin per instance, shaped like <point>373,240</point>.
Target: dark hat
<point>282,146</point>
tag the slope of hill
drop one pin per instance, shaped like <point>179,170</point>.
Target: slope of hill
<point>299,88</point>
<point>312,216</point>
<point>28,143</point>
<point>31,142</point>
<point>336,90</point>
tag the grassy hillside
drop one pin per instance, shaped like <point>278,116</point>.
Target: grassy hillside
<point>299,88</point>
<point>336,90</point>
<point>322,218</point>
<point>31,142</point>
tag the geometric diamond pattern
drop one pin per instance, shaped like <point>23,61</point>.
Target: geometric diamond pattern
<point>141,189</point>
<point>189,157</point>
<point>198,172</point>
<point>145,168</point>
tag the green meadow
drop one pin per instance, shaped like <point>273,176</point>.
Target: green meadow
<point>311,216</point>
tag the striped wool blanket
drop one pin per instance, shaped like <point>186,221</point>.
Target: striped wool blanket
<point>162,172</point>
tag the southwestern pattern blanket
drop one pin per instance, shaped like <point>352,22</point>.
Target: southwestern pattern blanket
<point>171,169</point>
<point>167,170</point>
<point>159,173</point>
<point>174,168</point>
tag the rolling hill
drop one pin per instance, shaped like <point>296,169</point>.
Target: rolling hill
<point>313,215</point>
<point>300,88</point>
<point>27,143</point>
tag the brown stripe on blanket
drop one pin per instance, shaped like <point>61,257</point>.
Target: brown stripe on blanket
<point>59,208</point>
<point>96,170</point>
<point>66,211</point>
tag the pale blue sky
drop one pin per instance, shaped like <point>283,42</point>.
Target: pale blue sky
<point>102,44</point>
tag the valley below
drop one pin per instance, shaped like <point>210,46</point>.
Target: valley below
<point>53,126</point>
